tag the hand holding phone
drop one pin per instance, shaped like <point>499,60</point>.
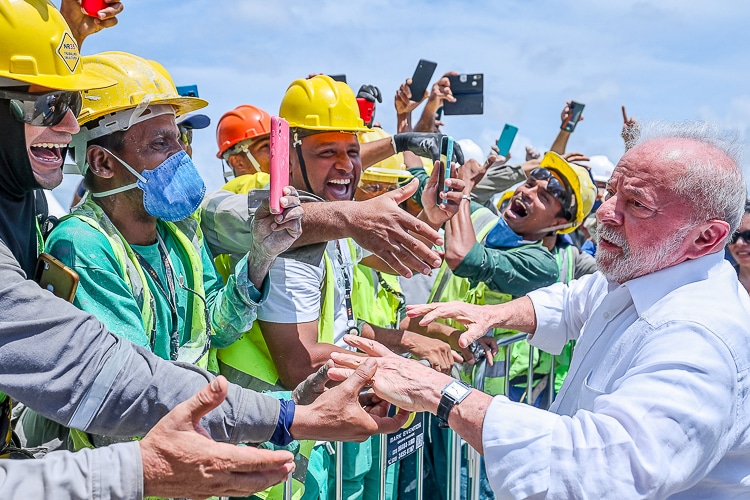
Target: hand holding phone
<point>92,7</point>
<point>56,277</point>
<point>445,168</point>
<point>421,79</point>
<point>506,139</point>
<point>575,110</point>
<point>279,168</point>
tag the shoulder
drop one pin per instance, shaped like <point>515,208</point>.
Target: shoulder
<point>76,243</point>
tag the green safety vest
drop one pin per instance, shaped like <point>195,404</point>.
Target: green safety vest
<point>374,303</point>
<point>187,234</point>
<point>449,287</point>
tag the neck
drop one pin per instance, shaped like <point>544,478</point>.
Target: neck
<point>744,277</point>
<point>132,220</point>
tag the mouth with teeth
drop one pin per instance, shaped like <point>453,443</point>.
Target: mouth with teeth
<point>48,154</point>
<point>340,189</point>
<point>517,209</point>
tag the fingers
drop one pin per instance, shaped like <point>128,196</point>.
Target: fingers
<point>339,373</point>
<point>403,193</point>
<point>457,358</point>
<point>471,334</point>
<point>361,377</point>
<point>369,347</point>
<point>389,425</point>
<point>205,400</point>
<point>416,310</point>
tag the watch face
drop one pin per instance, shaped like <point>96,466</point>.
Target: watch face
<point>456,391</point>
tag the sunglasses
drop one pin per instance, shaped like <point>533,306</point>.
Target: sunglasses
<point>555,187</point>
<point>186,134</point>
<point>745,235</point>
<point>42,110</point>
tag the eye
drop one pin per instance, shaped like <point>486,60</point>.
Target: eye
<point>637,204</point>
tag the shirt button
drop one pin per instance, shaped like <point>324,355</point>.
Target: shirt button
<point>606,315</point>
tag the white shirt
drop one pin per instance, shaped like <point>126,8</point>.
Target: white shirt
<point>655,404</point>
<point>295,290</point>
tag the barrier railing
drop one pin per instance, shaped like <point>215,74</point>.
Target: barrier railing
<point>455,446</point>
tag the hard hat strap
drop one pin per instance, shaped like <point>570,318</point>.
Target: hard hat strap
<point>298,148</point>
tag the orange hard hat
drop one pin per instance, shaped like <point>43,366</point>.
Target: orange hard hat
<point>241,123</point>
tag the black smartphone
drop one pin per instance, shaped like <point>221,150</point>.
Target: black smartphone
<point>339,78</point>
<point>468,89</point>
<point>421,79</point>
<point>576,109</point>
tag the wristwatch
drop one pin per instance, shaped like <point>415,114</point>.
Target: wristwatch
<point>452,394</point>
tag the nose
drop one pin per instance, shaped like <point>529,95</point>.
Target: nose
<point>68,124</point>
<point>608,211</point>
<point>344,162</point>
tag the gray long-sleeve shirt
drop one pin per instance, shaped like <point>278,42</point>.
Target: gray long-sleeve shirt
<point>62,363</point>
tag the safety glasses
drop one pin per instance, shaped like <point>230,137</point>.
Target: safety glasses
<point>186,135</point>
<point>42,110</point>
<point>555,186</point>
<point>745,235</point>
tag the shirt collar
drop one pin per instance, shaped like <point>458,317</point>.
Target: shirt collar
<point>648,289</point>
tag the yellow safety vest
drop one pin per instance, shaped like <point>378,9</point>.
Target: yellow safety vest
<point>372,302</point>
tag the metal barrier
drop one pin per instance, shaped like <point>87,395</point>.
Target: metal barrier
<point>455,446</point>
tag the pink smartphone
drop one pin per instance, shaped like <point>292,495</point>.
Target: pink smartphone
<point>279,162</point>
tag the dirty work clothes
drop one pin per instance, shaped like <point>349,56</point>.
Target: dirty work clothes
<point>103,292</point>
<point>53,353</point>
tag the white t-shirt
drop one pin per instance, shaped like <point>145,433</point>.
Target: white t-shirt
<point>296,290</point>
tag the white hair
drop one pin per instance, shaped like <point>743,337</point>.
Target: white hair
<point>715,192</point>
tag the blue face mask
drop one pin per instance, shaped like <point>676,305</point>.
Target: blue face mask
<point>501,236</point>
<point>171,192</point>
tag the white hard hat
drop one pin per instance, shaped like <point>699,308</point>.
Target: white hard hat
<point>601,167</point>
<point>471,150</point>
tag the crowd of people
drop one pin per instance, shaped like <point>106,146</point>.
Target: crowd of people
<point>214,347</point>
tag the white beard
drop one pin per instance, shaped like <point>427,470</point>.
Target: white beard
<point>636,262</point>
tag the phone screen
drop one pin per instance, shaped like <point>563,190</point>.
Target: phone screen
<point>506,139</point>
<point>576,109</point>
<point>421,79</point>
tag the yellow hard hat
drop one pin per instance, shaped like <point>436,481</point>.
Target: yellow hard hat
<point>376,174</point>
<point>139,82</point>
<point>37,48</point>
<point>393,162</point>
<point>580,182</point>
<point>321,104</point>
<point>504,198</point>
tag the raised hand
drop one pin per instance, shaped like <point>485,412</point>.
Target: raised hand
<point>83,25</point>
<point>180,460</point>
<point>273,234</point>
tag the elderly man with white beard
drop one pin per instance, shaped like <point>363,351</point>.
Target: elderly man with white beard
<point>656,403</point>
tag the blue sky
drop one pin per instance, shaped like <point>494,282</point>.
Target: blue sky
<point>669,59</point>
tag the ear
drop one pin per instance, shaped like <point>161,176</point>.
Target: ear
<point>100,162</point>
<point>707,238</point>
<point>234,161</point>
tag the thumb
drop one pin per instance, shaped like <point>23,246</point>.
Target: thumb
<point>361,377</point>
<point>208,398</point>
<point>402,194</point>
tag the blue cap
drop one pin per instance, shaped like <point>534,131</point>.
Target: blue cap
<point>194,121</point>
